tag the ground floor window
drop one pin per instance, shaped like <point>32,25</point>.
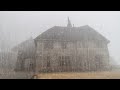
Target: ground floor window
<point>48,61</point>
<point>64,61</point>
<point>98,61</point>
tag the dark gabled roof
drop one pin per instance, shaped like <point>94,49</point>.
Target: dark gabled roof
<point>74,33</point>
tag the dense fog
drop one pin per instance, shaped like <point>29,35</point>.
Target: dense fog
<point>18,26</point>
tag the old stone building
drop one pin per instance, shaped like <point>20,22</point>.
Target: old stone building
<point>71,49</point>
<point>62,49</point>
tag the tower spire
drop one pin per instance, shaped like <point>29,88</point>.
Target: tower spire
<point>69,25</point>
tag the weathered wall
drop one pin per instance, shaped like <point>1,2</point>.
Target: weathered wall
<point>82,56</point>
<point>26,56</point>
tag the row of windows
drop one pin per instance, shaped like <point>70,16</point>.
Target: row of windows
<point>90,44</point>
<point>63,61</point>
<point>50,45</point>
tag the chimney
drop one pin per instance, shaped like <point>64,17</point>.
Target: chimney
<point>69,25</point>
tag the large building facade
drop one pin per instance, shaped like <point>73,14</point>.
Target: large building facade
<point>71,49</point>
<point>67,49</point>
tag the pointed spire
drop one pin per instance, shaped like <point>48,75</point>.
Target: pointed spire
<point>69,25</point>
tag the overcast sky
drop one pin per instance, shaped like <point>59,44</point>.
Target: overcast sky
<point>17,26</point>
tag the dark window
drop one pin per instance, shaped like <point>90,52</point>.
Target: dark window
<point>48,61</point>
<point>64,61</point>
<point>98,60</point>
<point>61,62</point>
<point>31,66</point>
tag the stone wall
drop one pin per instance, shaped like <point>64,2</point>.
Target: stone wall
<point>82,56</point>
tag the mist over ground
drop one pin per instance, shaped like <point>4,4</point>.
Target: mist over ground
<point>17,26</point>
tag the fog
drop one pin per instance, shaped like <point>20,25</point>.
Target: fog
<point>17,26</point>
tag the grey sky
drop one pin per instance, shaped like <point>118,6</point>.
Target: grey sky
<point>17,26</point>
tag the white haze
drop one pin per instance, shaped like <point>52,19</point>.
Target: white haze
<point>17,26</point>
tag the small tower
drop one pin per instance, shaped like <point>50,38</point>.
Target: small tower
<point>69,25</point>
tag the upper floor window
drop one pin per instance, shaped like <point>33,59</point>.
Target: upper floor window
<point>100,45</point>
<point>48,45</point>
<point>63,45</point>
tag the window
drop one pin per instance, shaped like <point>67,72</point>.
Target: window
<point>48,45</point>
<point>84,44</point>
<point>98,60</point>
<point>63,45</point>
<point>31,66</point>
<point>67,60</point>
<point>48,61</point>
<point>100,45</point>
<point>64,61</point>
